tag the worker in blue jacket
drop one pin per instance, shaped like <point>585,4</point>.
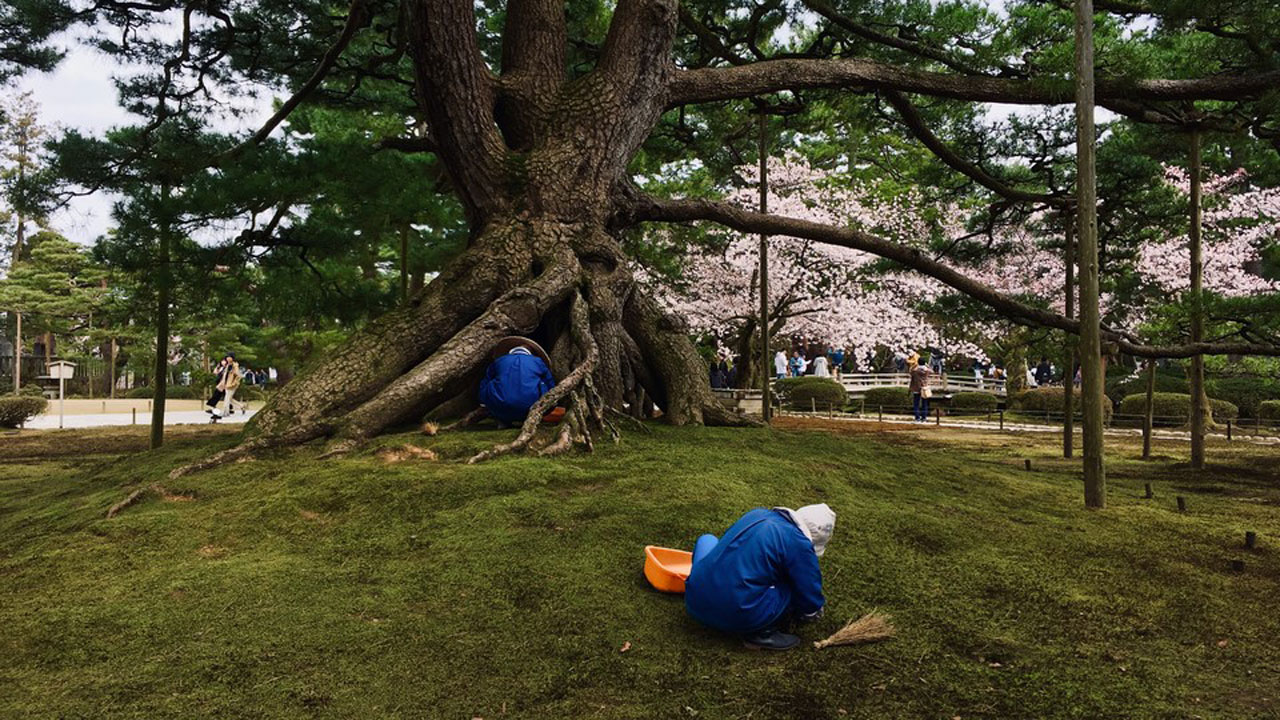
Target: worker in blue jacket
<point>762,574</point>
<point>517,377</point>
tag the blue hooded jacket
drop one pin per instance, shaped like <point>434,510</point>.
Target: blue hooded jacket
<point>763,566</point>
<point>513,383</point>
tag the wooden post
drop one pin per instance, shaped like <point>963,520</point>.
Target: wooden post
<point>135,417</point>
<point>813,406</point>
<point>160,382</point>
<point>1027,463</point>
<point>112,393</point>
<point>1149,417</point>
<point>17,354</point>
<point>1147,487</point>
<point>1250,539</point>
<point>1002,419</point>
<point>764,270</point>
<point>1182,504</point>
<point>937,417</point>
<point>1199,401</point>
<point>880,414</point>
<point>1228,429</point>
<point>1095,479</point>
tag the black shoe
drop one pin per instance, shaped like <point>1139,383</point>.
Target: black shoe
<point>771,640</point>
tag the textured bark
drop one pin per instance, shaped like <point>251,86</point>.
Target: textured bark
<point>1091,368</point>
<point>1200,413</point>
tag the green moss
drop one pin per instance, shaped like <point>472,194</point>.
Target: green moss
<point>291,587</point>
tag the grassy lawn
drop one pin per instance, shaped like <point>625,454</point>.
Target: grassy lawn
<point>291,587</point>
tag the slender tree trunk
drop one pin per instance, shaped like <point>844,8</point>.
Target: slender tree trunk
<point>766,406</point>
<point>17,356</point>
<point>1199,400</point>
<point>1095,480</point>
<point>112,377</point>
<point>1149,417</point>
<point>404,263</point>
<point>160,383</point>
<point>1069,347</point>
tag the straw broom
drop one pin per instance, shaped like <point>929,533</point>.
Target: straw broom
<point>869,628</point>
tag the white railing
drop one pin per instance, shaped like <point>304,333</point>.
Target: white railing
<point>854,382</point>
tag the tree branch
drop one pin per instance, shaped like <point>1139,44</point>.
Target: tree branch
<point>916,123</point>
<point>761,78</point>
<point>358,17</point>
<point>649,208</point>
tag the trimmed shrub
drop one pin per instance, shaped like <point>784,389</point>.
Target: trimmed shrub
<point>173,392</point>
<point>1040,400</point>
<point>1172,409</point>
<point>17,409</point>
<point>803,393</point>
<point>1166,382</point>
<point>1246,393</point>
<point>980,401</point>
<point>891,397</point>
<point>31,391</point>
<point>1269,410</point>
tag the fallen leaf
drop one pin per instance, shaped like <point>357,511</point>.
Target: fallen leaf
<point>1223,643</point>
<point>995,664</point>
<point>625,646</point>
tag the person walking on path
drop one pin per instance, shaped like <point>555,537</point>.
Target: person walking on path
<point>227,376</point>
<point>761,575</point>
<point>919,388</point>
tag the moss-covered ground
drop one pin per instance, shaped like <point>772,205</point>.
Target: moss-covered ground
<point>291,587</point>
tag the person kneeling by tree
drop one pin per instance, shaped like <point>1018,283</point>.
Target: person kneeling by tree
<point>519,374</point>
<point>761,575</point>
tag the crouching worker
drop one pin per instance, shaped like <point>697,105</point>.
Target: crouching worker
<point>761,575</point>
<point>519,374</point>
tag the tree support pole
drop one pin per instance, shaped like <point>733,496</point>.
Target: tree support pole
<point>17,357</point>
<point>160,385</point>
<point>1199,402</point>
<point>1148,420</point>
<point>1095,482</point>
<point>1069,348</point>
<point>766,407</point>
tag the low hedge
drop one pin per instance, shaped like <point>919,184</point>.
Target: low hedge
<point>31,391</point>
<point>889,397</point>
<point>1269,410</point>
<point>1173,408</point>
<point>173,392</point>
<point>980,401</point>
<point>17,409</point>
<point>1050,399</point>
<point>1246,393</point>
<point>1166,382</point>
<point>803,393</point>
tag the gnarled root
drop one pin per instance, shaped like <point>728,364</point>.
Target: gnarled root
<point>572,386</point>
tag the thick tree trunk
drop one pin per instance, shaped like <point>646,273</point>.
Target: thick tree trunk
<point>1095,480</point>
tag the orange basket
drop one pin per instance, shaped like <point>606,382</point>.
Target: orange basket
<point>666,569</point>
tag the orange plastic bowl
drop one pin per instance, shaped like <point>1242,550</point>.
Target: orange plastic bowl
<point>667,569</point>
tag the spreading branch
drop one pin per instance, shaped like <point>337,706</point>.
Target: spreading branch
<point>769,76</point>
<point>746,221</point>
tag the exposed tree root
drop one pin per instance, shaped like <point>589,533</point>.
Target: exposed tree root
<point>569,387</point>
<point>246,450</point>
<point>132,498</point>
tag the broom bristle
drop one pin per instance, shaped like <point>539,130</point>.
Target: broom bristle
<point>869,628</point>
